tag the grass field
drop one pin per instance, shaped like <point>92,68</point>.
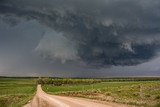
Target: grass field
<point>15,92</point>
<point>140,93</point>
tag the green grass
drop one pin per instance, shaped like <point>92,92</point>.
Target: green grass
<point>140,93</point>
<point>16,92</point>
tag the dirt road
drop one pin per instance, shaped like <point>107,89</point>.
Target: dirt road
<point>41,99</point>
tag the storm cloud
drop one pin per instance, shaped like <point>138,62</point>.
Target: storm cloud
<point>96,32</point>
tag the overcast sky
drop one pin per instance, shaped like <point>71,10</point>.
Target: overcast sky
<point>80,38</point>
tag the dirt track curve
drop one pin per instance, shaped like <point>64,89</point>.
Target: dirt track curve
<point>41,99</point>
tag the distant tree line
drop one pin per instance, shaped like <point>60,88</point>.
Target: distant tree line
<point>73,81</point>
<point>131,79</point>
<point>60,82</point>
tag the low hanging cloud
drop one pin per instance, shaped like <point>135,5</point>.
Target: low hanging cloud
<point>56,46</point>
<point>99,33</point>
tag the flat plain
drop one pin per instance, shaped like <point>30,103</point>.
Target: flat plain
<point>140,93</point>
<point>15,92</point>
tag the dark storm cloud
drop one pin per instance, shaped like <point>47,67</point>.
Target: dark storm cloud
<point>99,33</point>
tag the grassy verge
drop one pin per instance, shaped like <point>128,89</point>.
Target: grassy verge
<point>140,93</point>
<point>16,92</point>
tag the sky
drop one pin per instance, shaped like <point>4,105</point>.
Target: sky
<point>80,38</point>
